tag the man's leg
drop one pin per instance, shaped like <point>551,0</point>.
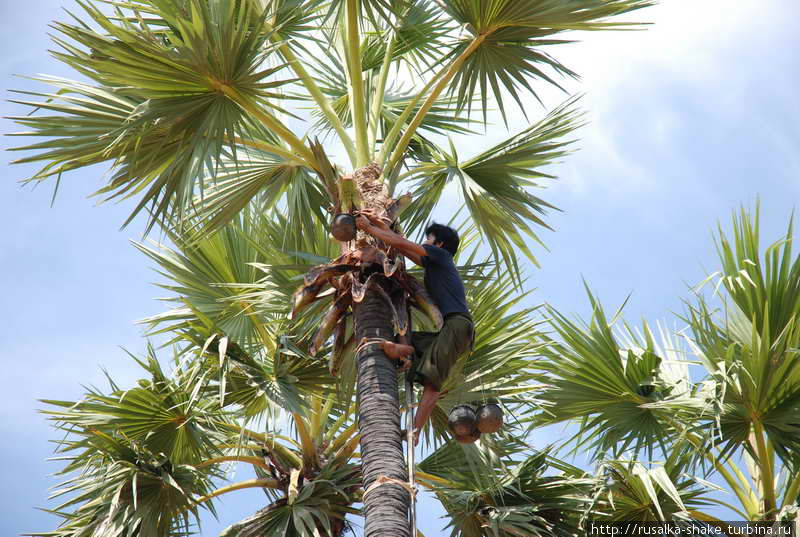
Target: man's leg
<point>437,362</point>
<point>419,348</point>
<point>429,398</point>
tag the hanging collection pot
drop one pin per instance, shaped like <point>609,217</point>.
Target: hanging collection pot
<point>343,227</point>
<point>490,418</point>
<point>462,420</point>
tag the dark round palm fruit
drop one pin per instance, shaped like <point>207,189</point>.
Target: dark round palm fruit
<point>344,227</point>
<point>462,420</point>
<point>470,438</point>
<point>490,418</point>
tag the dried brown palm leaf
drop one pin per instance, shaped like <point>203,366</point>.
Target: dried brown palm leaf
<point>360,289</point>
<point>332,317</point>
<point>322,274</point>
<point>390,266</point>
<point>302,297</point>
<point>341,346</point>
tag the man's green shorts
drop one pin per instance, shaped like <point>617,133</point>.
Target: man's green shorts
<point>435,353</point>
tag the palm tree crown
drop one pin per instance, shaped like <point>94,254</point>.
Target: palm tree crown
<point>219,119</point>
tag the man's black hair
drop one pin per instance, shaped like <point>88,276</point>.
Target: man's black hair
<point>444,234</point>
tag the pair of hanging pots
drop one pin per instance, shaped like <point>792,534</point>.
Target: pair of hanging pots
<point>468,424</point>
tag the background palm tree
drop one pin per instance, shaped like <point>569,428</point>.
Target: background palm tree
<point>198,106</point>
<point>718,398</point>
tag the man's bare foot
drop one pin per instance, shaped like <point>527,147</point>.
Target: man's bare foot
<point>392,350</point>
<point>399,352</point>
<point>396,351</point>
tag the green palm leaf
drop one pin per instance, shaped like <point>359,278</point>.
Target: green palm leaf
<point>203,277</point>
<point>629,394</point>
<point>169,100</point>
<point>164,415</point>
<point>662,492</point>
<point>508,495</point>
<point>131,455</point>
<point>750,350</point>
<point>495,184</point>
<point>512,37</point>
<point>255,173</point>
<point>122,492</point>
<point>237,284</point>
<point>319,505</point>
<point>442,118</point>
<point>418,34</point>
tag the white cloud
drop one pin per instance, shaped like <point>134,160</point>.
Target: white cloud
<point>686,39</point>
<point>691,49</point>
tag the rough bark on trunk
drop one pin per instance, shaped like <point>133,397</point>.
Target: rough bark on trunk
<point>386,507</point>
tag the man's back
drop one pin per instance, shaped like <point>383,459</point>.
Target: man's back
<point>443,282</point>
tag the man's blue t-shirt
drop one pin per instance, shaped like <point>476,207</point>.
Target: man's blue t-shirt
<point>442,280</point>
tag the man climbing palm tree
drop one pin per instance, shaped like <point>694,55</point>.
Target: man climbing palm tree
<point>434,353</point>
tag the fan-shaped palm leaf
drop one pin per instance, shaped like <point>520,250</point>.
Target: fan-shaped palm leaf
<point>495,184</point>
<point>134,452</point>
<point>631,491</point>
<point>510,38</point>
<point>169,99</point>
<point>625,396</point>
<point>415,37</point>
<point>491,496</point>
<point>165,415</point>
<point>750,350</point>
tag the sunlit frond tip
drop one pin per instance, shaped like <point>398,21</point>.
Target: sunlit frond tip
<point>504,46</point>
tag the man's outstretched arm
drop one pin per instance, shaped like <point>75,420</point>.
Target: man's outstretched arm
<point>369,222</point>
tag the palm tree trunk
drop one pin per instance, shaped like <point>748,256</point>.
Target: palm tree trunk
<point>386,507</point>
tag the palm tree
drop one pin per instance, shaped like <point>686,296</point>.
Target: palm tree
<point>222,405</point>
<point>210,114</point>
<point>735,418</point>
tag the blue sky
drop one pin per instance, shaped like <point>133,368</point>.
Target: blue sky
<point>688,120</point>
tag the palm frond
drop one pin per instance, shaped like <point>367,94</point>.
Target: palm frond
<point>418,35</point>
<point>123,490</point>
<point>625,397</point>
<point>165,415</point>
<point>442,118</point>
<point>495,184</point>
<point>237,284</point>
<point>750,347</point>
<point>131,455</point>
<point>168,98</point>
<point>255,172</point>
<point>204,276</point>
<point>294,20</point>
<point>490,496</point>
<point>629,490</point>
<point>512,39</point>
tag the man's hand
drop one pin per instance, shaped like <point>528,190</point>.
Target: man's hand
<point>363,223</point>
<point>374,219</point>
<point>369,222</point>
